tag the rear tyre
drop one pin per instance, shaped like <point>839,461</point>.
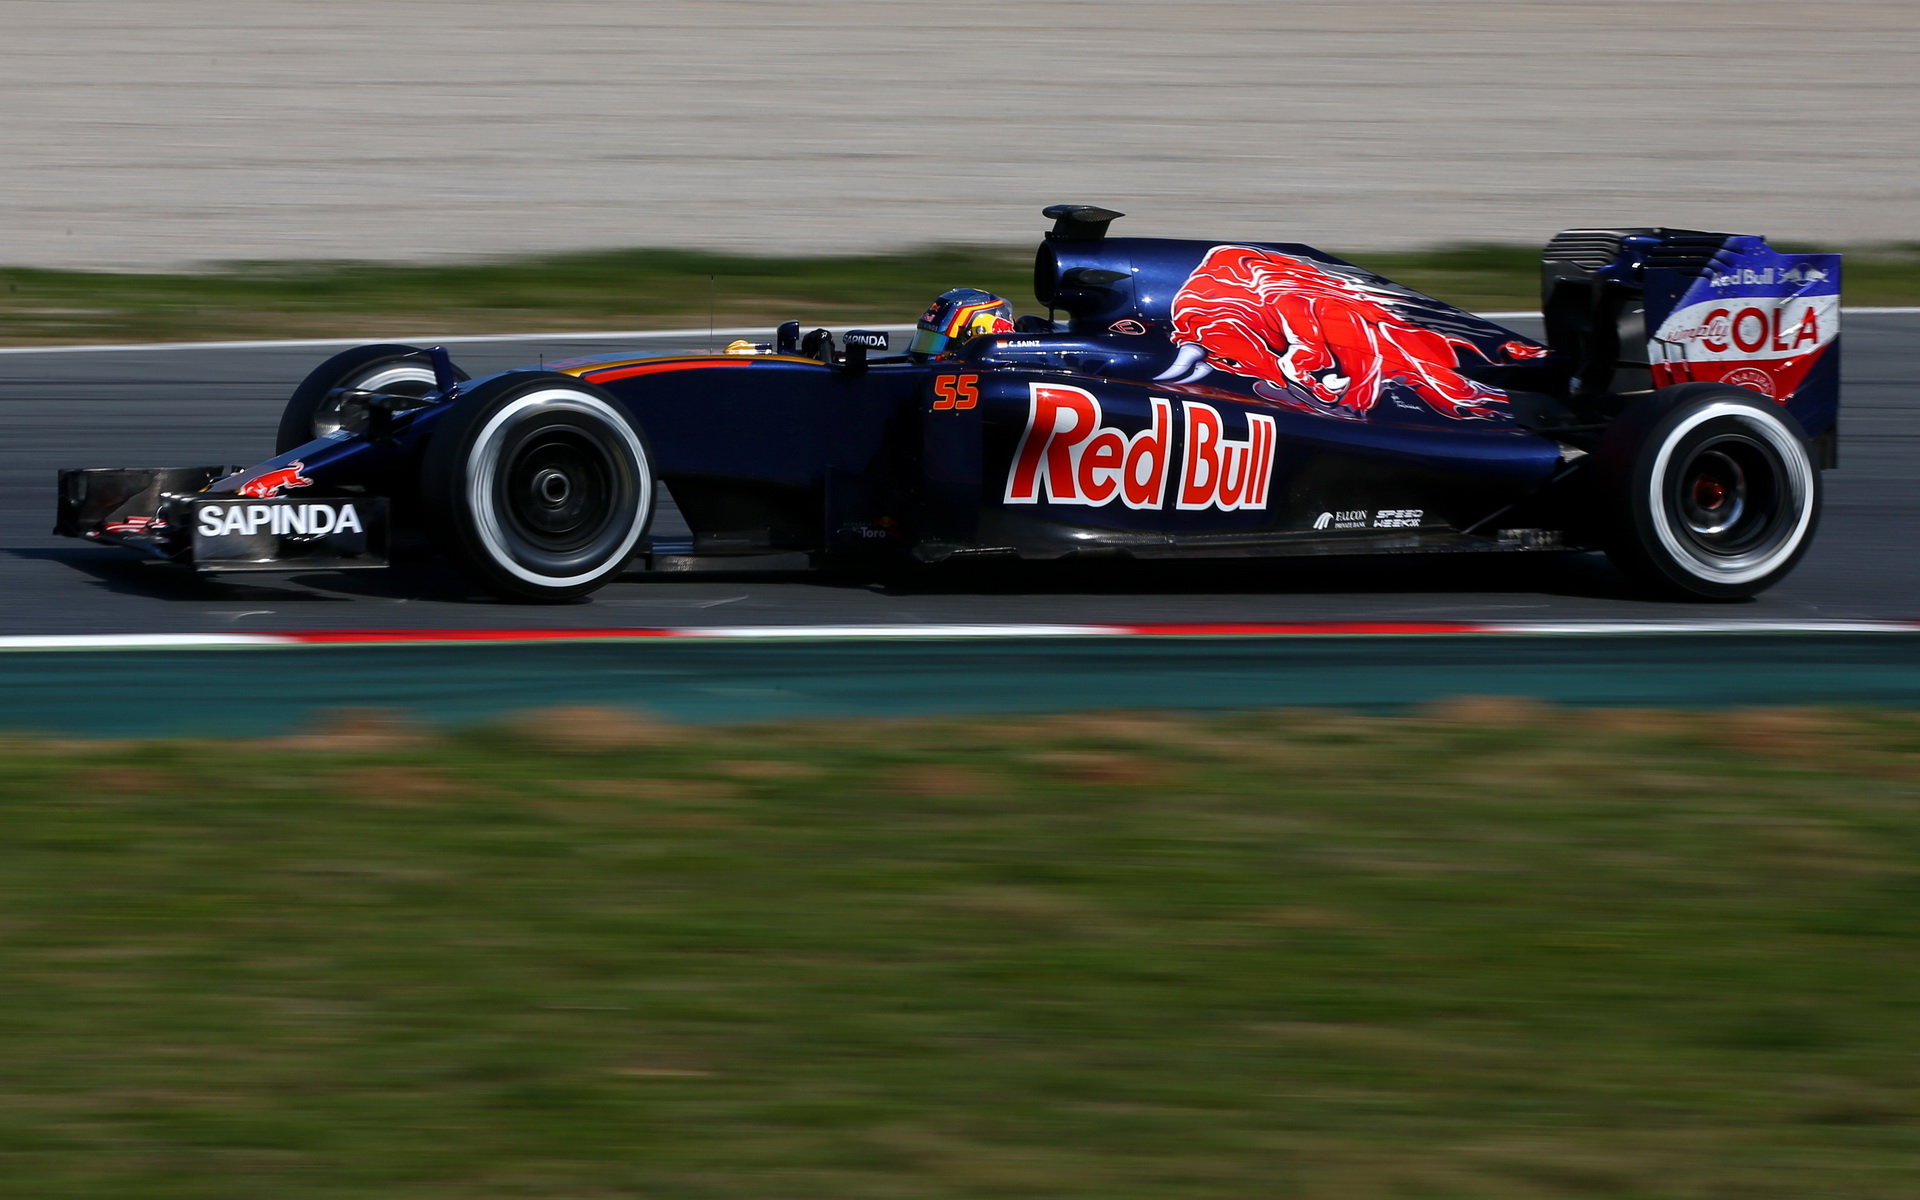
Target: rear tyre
<point>313,411</point>
<point>537,486</point>
<point>1709,492</point>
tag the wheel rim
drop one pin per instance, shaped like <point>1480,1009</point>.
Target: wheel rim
<point>1720,507</point>
<point>558,490</point>
<point>1733,494</point>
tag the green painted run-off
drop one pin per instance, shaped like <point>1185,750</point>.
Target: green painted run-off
<point>246,692</point>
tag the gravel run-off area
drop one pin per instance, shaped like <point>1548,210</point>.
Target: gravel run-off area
<point>143,135</point>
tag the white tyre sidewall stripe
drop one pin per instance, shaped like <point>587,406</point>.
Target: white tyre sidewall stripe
<point>1799,482</point>
<point>391,374</point>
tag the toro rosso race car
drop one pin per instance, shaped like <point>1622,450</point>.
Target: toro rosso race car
<point>1182,398</point>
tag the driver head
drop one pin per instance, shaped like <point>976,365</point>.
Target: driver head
<point>956,316</point>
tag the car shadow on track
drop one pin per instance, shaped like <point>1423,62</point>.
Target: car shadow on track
<point>1569,576</point>
<point>114,571</point>
<point>1574,576</point>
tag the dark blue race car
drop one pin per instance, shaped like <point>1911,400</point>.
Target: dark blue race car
<point>1181,398</point>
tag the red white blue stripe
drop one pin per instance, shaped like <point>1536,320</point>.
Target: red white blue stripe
<point>902,632</point>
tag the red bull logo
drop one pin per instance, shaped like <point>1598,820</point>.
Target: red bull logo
<point>1313,340</point>
<point>1069,455</point>
<point>269,484</point>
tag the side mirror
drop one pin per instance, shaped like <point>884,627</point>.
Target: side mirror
<point>818,344</point>
<point>446,380</point>
<point>786,338</point>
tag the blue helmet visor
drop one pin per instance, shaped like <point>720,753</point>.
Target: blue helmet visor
<point>929,342</point>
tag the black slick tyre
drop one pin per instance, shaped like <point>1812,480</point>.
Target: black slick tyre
<point>313,409</point>
<point>1707,492</point>
<point>537,486</point>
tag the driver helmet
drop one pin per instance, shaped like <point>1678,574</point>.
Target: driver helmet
<point>958,315</point>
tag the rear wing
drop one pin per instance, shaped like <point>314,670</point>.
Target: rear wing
<point>1640,308</point>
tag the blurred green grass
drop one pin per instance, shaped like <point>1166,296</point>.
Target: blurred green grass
<point>636,289</point>
<point>1495,950</point>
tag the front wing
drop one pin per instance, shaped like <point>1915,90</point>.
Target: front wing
<point>165,512</point>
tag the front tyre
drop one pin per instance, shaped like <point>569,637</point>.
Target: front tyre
<point>537,486</point>
<point>1709,491</point>
<point>313,411</point>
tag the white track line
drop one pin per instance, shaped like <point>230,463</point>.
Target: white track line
<point>464,339</point>
<point>139,641</point>
<point>592,336</point>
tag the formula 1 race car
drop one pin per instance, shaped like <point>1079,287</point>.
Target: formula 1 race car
<point>1182,398</point>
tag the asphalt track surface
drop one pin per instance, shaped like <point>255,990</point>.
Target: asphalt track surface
<point>186,406</point>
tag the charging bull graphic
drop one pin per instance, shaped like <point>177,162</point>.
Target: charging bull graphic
<point>272,483</point>
<point>1315,341</point>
